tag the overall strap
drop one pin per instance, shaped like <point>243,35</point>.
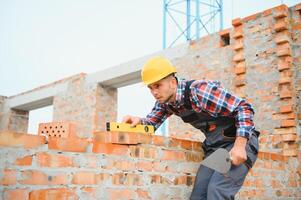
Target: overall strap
<point>187,103</point>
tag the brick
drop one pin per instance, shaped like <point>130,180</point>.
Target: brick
<point>24,161</point>
<point>237,22</point>
<point>173,155</point>
<point>251,17</point>
<point>290,130</point>
<point>283,50</point>
<point>240,80</point>
<point>288,123</point>
<point>126,179</point>
<point>240,70</point>
<point>144,165</point>
<point>35,177</point>
<point>238,57</point>
<point>143,152</point>
<point>238,33</point>
<point>115,193</point>
<point>278,157</point>
<point>281,26</point>
<point>16,194</point>
<point>281,14</point>
<point>224,32</point>
<point>290,152</point>
<point>284,63</point>
<point>8,177</point>
<point>238,46</point>
<point>125,165</point>
<point>289,137</point>
<point>84,178</point>
<point>143,194</point>
<point>286,94</point>
<point>51,160</point>
<point>286,109</point>
<point>110,149</point>
<point>145,139</point>
<point>116,137</point>
<point>296,27</point>
<point>68,144</point>
<point>158,140</point>
<point>283,37</point>
<point>51,193</point>
<point>58,129</point>
<point>102,177</point>
<point>285,80</point>
<point>186,144</point>
<point>194,156</point>
<point>22,140</point>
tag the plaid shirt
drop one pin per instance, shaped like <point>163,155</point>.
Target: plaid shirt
<point>209,97</point>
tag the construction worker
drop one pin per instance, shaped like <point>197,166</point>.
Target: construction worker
<point>225,119</point>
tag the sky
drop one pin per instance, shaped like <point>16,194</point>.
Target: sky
<point>42,41</point>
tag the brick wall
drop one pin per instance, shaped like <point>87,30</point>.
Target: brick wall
<point>109,166</point>
<point>89,106</point>
<point>12,119</point>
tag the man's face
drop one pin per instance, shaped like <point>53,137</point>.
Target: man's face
<point>164,90</point>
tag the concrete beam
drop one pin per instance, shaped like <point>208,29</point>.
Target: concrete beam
<point>129,73</point>
<point>37,98</point>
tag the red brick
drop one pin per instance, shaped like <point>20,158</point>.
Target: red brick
<point>283,37</point>
<point>8,177</point>
<point>286,109</point>
<point>159,140</point>
<point>57,193</point>
<point>238,46</point>
<point>173,155</point>
<point>35,177</point>
<point>143,194</point>
<point>84,178</point>
<point>16,194</point>
<point>283,50</point>
<point>224,32</point>
<point>145,139</point>
<point>126,179</point>
<point>296,27</point>
<point>124,165</point>
<point>194,156</point>
<point>285,130</point>
<point>24,161</point>
<point>298,7</point>
<point>251,17</point>
<point>281,26</point>
<point>288,123</point>
<point>68,144</point>
<point>143,152</point>
<point>58,129</point>
<point>236,22</point>
<point>240,80</point>
<point>12,139</point>
<point>290,152</point>
<point>144,165</point>
<point>51,160</point>
<point>116,137</point>
<point>286,94</point>
<point>289,137</point>
<point>111,149</point>
<point>238,32</point>
<point>115,194</point>
<point>238,57</point>
<point>285,62</point>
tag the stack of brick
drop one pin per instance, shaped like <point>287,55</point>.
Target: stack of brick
<point>286,134</point>
<point>239,59</point>
<point>112,165</point>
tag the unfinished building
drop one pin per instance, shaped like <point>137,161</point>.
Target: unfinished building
<point>259,59</point>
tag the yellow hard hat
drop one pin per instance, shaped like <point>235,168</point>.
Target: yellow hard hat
<point>156,69</point>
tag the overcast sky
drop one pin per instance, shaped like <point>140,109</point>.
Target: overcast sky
<point>42,41</point>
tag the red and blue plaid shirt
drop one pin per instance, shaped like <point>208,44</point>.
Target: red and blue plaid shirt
<point>209,97</point>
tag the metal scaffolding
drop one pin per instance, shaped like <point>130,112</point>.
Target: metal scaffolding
<point>190,19</point>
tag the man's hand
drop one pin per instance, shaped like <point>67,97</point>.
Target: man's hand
<point>238,153</point>
<point>132,120</point>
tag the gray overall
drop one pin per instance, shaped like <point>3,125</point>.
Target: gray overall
<point>210,184</point>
